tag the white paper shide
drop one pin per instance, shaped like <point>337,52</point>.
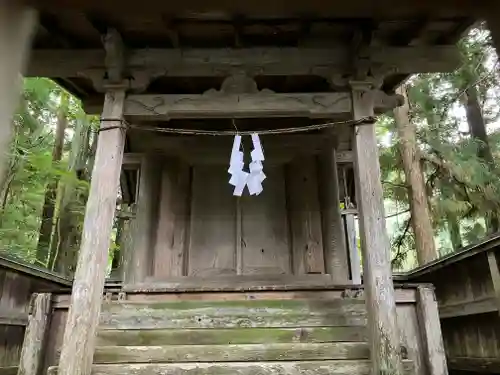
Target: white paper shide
<point>239,177</point>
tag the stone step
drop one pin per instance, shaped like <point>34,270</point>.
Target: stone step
<point>338,367</point>
<point>160,337</point>
<point>231,353</point>
<point>233,314</point>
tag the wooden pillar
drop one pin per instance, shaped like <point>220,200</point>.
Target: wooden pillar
<point>17,23</point>
<point>88,286</point>
<point>377,273</point>
<point>139,264</point>
<point>336,261</point>
<point>432,337</point>
<point>35,337</point>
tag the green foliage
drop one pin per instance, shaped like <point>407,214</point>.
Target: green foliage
<point>31,168</point>
<point>462,187</point>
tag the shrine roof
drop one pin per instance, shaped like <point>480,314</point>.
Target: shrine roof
<point>79,25</point>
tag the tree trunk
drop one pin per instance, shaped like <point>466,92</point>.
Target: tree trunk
<point>67,236</point>
<point>454,231</point>
<point>477,129</point>
<point>420,215</point>
<point>46,229</point>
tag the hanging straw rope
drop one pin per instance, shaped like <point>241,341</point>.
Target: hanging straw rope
<point>300,129</point>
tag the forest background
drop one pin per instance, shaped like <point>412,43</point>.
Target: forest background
<point>440,160</point>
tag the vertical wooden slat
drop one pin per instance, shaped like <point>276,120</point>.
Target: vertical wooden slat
<point>17,24</point>
<point>333,228</point>
<point>266,242</point>
<point>377,273</point>
<point>35,337</point>
<point>354,259</point>
<point>239,238</point>
<point>495,275</point>
<point>305,216</point>
<point>88,286</point>
<point>212,234</point>
<point>430,327</point>
<point>170,246</point>
<point>143,225</point>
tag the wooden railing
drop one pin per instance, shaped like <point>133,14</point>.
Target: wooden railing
<point>467,287</point>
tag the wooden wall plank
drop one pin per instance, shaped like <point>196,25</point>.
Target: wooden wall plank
<point>173,218</point>
<point>140,262</point>
<point>304,215</point>
<point>213,229</point>
<point>265,231</point>
<point>409,331</point>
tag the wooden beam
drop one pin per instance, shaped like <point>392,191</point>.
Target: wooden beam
<point>10,370</point>
<point>262,61</point>
<point>132,160</point>
<point>428,321</point>
<point>215,150</point>
<point>88,286</point>
<point>262,104</point>
<point>475,364</point>
<point>17,24</point>
<point>115,56</point>
<point>377,273</point>
<point>11,317</point>
<point>35,337</point>
<point>463,308</point>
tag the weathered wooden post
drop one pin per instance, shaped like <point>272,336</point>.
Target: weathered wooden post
<point>31,361</point>
<point>17,24</point>
<point>377,273</point>
<point>88,286</point>
<point>333,227</point>
<point>432,338</point>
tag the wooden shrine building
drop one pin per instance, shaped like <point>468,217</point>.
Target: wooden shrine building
<point>211,283</point>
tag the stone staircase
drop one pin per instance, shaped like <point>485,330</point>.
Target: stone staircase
<point>233,337</point>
